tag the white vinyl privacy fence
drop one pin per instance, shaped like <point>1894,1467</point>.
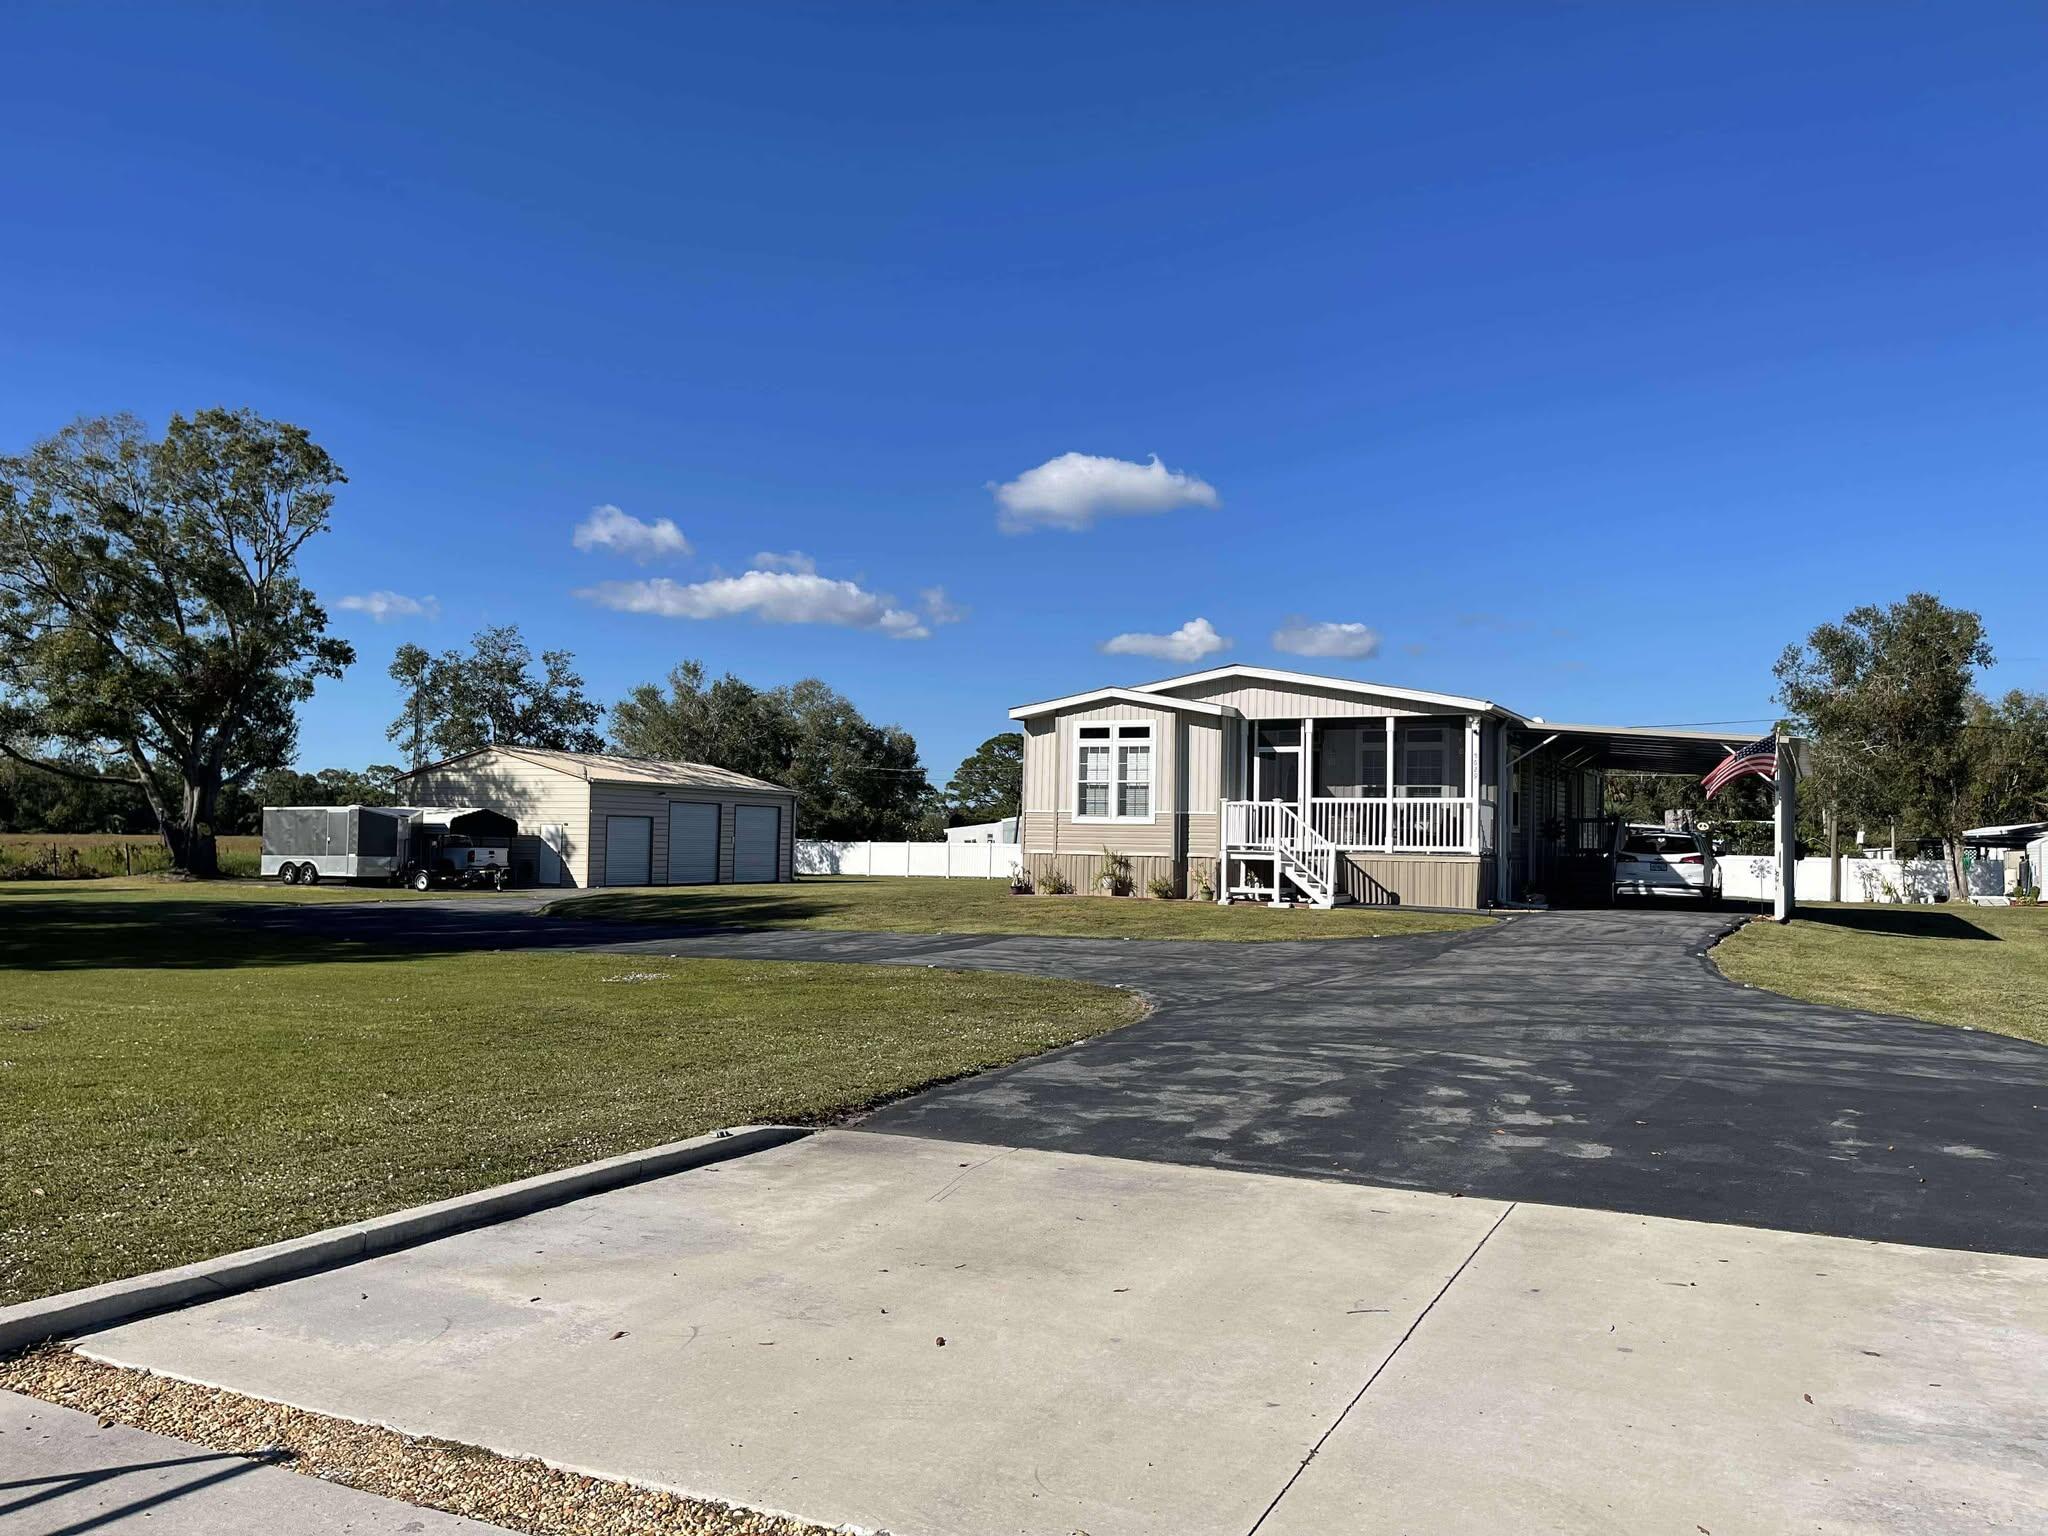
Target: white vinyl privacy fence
<point>1753,877</point>
<point>955,861</point>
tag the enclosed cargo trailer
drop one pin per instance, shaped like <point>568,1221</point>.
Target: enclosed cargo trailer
<point>421,846</point>
<point>332,842</point>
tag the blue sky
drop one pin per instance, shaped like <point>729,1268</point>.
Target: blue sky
<point>1584,355</point>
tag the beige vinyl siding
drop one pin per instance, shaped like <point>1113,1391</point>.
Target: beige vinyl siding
<point>1416,880</point>
<point>1041,766</point>
<point>531,795</point>
<point>1039,832</point>
<point>1286,701</point>
<point>1157,838</point>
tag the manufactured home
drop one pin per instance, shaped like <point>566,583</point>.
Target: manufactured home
<point>1255,783</point>
<point>596,819</point>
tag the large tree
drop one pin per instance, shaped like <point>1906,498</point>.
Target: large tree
<point>151,620</point>
<point>729,723</point>
<point>459,701</point>
<point>853,778</point>
<point>2009,753</point>
<point>1884,697</point>
<point>989,783</point>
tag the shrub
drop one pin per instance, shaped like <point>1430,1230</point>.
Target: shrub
<point>1053,883</point>
<point>1162,887</point>
<point>1114,877</point>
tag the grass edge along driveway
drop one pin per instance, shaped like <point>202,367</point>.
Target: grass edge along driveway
<point>1974,967</point>
<point>177,1087</point>
<point>882,904</point>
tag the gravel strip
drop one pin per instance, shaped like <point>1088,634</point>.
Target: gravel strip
<point>521,1495</point>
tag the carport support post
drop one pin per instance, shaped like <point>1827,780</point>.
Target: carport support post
<point>1786,836</point>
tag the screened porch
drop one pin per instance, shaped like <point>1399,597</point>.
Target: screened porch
<point>1407,785</point>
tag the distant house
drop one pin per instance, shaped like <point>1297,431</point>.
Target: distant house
<point>1004,831</point>
<point>1271,785</point>
<point>592,819</point>
<point>2006,859</point>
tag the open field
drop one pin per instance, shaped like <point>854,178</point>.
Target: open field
<point>860,904</point>
<point>153,889</point>
<point>175,1085</point>
<point>84,855</point>
<point>1982,967</point>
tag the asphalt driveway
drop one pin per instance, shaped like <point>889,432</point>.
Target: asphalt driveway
<point>1577,1058</point>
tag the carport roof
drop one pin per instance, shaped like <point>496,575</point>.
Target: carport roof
<point>1643,748</point>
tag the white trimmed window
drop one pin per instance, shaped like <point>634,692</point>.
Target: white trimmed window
<point>1113,773</point>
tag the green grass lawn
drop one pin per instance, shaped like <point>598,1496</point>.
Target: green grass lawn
<point>164,888</point>
<point>175,1083</point>
<point>1986,967</point>
<point>859,904</point>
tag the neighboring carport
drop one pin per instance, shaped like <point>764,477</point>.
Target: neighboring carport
<point>1562,838</point>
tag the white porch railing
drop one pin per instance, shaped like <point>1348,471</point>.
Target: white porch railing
<point>1251,823</point>
<point>1363,826</point>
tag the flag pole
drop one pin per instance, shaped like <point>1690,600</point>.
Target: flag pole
<point>1786,833</point>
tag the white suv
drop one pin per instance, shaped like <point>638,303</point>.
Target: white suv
<point>1657,861</point>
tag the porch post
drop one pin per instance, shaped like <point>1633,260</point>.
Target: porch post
<point>1471,812</point>
<point>1503,818</point>
<point>1388,786</point>
<point>1306,787</point>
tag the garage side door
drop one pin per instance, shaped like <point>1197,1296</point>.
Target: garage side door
<point>692,842</point>
<point>628,850</point>
<point>756,840</point>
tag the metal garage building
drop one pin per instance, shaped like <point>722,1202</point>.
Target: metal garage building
<point>590,819</point>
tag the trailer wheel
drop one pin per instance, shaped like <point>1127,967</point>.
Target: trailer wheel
<point>308,875</point>
<point>422,880</point>
<point>288,872</point>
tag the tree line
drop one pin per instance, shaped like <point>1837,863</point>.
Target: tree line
<point>156,641</point>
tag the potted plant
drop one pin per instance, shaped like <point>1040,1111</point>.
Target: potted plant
<point>1114,876</point>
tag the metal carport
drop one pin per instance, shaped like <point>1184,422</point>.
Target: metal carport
<point>1566,748</point>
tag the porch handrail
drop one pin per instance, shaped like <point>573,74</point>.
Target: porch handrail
<point>1358,824</point>
<point>1312,855</point>
<point>1396,824</point>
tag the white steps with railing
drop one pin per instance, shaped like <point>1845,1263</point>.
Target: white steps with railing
<point>1301,855</point>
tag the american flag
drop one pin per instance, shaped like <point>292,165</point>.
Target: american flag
<point>1760,757</point>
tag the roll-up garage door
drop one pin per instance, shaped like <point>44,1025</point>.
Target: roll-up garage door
<point>628,850</point>
<point>756,842</point>
<point>692,842</point>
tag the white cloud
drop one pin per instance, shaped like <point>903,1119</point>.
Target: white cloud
<point>613,532</point>
<point>1301,637</point>
<point>789,560</point>
<point>772,597</point>
<point>939,608</point>
<point>1191,642</point>
<point>383,607</point>
<point>1074,489</point>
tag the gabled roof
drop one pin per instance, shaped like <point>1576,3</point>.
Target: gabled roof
<point>1331,685</point>
<point>610,768</point>
<point>1118,696</point>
